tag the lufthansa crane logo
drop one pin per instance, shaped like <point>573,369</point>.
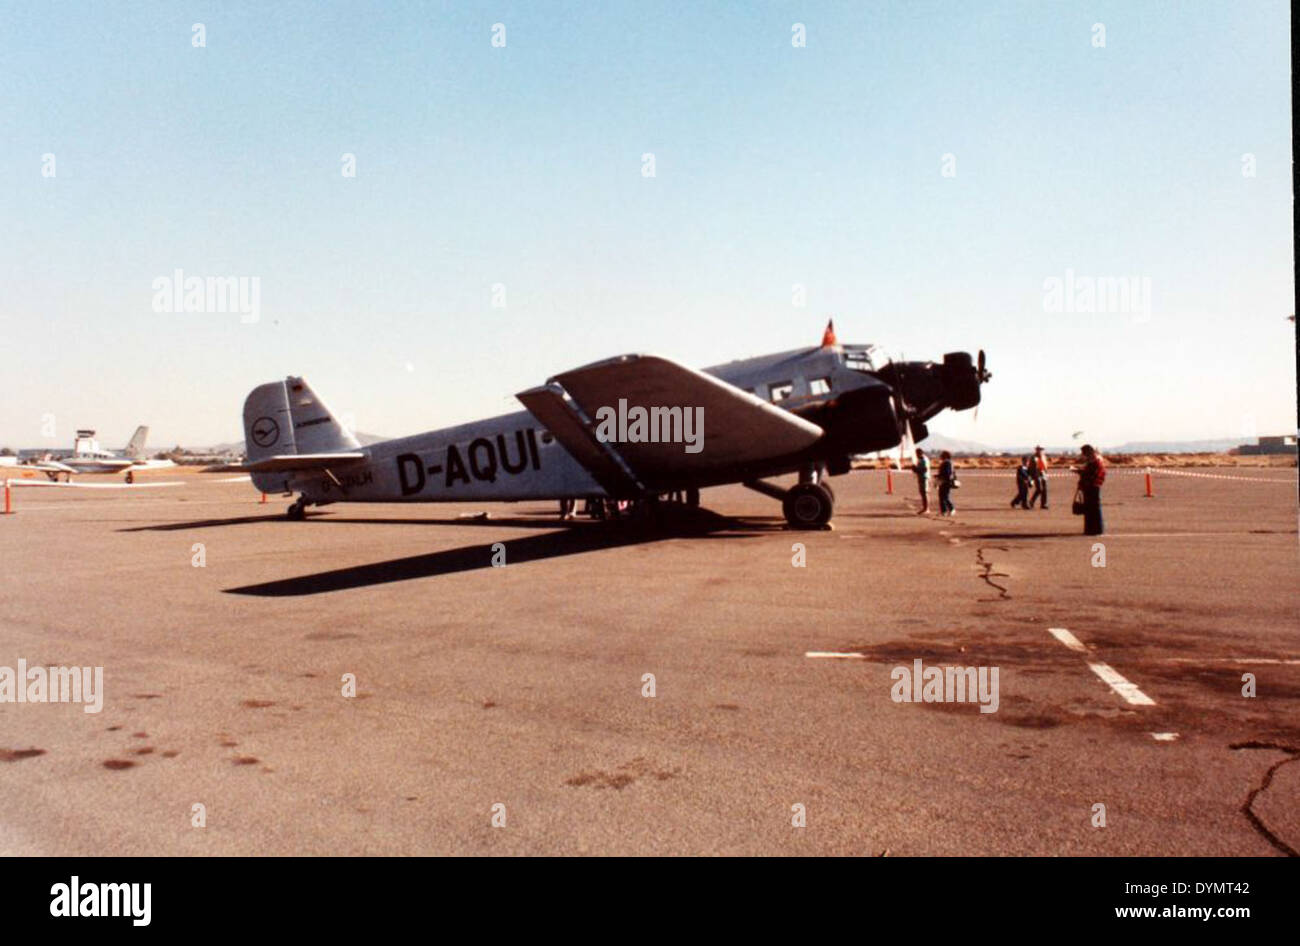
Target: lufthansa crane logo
<point>265,431</point>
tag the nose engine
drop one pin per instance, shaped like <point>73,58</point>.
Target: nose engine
<point>961,379</point>
<point>924,388</point>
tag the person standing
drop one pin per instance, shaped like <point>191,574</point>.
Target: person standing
<point>1023,479</point>
<point>1039,471</point>
<point>922,470</point>
<point>947,477</point>
<point>1091,475</point>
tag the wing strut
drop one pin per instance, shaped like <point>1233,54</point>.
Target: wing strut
<point>566,421</point>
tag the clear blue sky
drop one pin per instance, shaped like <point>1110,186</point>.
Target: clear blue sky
<point>522,165</point>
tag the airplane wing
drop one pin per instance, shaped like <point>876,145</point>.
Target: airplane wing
<point>738,428</point>
<point>291,462</point>
<point>557,415</point>
<point>28,469</point>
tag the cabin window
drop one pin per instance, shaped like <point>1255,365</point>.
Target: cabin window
<point>781,390</point>
<point>819,386</point>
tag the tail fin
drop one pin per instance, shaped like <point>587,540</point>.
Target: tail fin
<point>135,446</point>
<point>286,417</point>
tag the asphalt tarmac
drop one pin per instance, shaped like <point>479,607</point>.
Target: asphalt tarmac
<point>517,693</point>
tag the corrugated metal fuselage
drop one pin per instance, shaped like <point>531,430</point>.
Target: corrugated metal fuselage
<point>512,457</point>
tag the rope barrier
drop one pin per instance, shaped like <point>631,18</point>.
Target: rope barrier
<point>1126,471</point>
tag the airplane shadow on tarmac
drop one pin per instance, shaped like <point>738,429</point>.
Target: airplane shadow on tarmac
<point>205,523</point>
<point>576,539</point>
<point>548,522</point>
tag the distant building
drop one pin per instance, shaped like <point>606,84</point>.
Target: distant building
<point>1285,443</point>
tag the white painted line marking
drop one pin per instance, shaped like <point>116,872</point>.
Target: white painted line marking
<point>1068,639</point>
<point>53,485</point>
<point>834,654</point>
<point>1164,736</point>
<point>1123,687</point>
<point>1229,660</point>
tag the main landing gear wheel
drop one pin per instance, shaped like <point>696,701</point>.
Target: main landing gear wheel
<point>808,506</point>
<point>298,511</point>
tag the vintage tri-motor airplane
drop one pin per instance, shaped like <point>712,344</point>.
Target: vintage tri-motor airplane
<point>633,428</point>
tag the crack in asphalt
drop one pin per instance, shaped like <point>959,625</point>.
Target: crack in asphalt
<point>1248,808</point>
<point>990,574</point>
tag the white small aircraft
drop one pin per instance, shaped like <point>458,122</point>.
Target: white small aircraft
<point>630,430</point>
<point>89,457</point>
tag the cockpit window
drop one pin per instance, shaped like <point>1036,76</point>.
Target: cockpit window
<point>781,390</point>
<point>859,357</point>
<point>819,386</point>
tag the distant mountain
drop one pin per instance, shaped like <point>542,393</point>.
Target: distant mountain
<point>1177,446</point>
<point>937,442</point>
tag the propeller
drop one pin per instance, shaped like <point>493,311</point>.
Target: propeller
<point>908,444</point>
<point>983,374</point>
<point>903,413</point>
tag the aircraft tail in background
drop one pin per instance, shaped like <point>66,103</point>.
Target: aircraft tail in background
<point>135,446</point>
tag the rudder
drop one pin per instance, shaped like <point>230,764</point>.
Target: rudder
<point>135,446</point>
<point>288,417</point>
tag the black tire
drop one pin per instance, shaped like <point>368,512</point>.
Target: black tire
<point>808,506</point>
<point>297,512</point>
<point>827,486</point>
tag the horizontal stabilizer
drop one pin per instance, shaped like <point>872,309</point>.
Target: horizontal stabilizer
<point>293,462</point>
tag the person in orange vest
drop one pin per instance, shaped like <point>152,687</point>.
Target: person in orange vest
<point>1039,472</point>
